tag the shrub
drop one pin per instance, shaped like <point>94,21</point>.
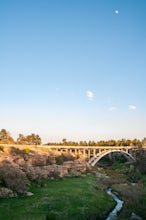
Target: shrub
<point>54,175</point>
<point>16,151</point>
<point>51,216</point>
<point>60,160</point>
<point>64,157</point>
<point>49,161</point>
<point>13,178</point>
<point>27,150</point>
<point>1,148</point>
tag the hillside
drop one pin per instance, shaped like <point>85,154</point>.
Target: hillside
<point>20,166</point>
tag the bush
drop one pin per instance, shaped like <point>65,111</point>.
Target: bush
<point>64,157</point>
<point>54,175</point>
<point>27,150</point>
<point>51,216</point>
<point>60,160</point>
<point>1,148</point>
<point>13,178</point>
<point>16,151</point>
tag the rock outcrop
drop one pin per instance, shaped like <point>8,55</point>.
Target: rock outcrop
<point>20,166</point>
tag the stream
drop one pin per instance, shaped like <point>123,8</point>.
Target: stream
<point>118,207</point>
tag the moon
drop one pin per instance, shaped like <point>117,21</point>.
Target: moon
<point>116,12</point>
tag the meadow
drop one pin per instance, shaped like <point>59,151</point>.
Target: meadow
<point>63,199</point>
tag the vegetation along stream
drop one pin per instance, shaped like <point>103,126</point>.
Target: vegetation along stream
<point>126,183</point>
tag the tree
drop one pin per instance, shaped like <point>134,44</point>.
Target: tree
<point>29,139</point>
<point>5,137</point>
<point>136,142</point>
<point>64,141</point>
<point>101,143</point>
<point>33,139</point>
<point>111,143</point>
<point>38,140</point>
<point>21,139</point>
<point>144,141</point>
<point>3,134</point>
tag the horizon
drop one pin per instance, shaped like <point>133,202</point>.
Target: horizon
<point>73,69</point>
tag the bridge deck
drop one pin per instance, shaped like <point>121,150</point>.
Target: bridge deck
<point>72,147</point>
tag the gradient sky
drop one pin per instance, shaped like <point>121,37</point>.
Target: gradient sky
<point>73,69</point>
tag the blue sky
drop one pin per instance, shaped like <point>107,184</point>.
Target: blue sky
<point>73,69</point>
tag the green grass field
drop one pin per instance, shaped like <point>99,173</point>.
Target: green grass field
<point>67,199</point>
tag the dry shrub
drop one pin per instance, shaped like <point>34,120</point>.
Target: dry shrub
<point>54,175</point>
<point>50,160</point>
<point>64,157</point>
<point>13,178</point>
<point>2,148</point>
<point>27,150</point>
<point>16,151</point>
<point>39,160</point>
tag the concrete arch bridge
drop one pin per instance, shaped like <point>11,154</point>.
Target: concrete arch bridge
<point>94,153</point>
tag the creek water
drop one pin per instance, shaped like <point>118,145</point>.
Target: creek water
<point>113,214</point>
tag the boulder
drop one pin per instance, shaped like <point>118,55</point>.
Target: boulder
<point>29,194</point>
<point>68,164</point>
<point>62,170</point>
<point>6,193</point>
<point>135,217</point>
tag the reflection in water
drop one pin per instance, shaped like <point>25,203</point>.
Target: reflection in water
<point>113,213</point>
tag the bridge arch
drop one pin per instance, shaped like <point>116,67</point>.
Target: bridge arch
<point>99,156</point>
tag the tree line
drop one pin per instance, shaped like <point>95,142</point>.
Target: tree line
<point>122,142</point>
<point>5,138</point>
<point>35,139</point>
